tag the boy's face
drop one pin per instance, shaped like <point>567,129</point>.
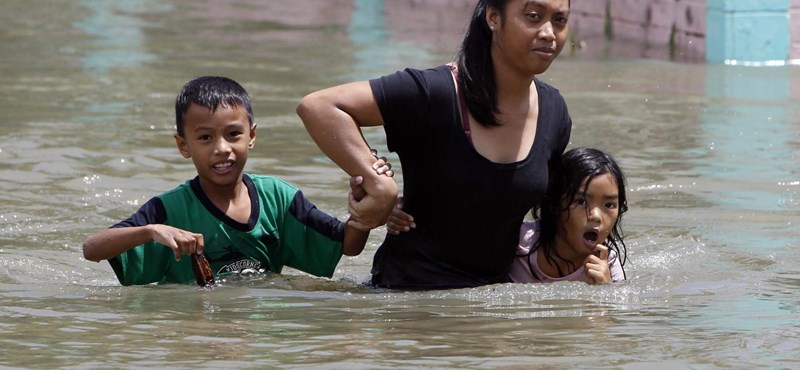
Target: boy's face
<point>217,143</point>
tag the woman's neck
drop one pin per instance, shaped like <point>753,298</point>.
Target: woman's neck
<point>512,85</point>
<point>514,92</point>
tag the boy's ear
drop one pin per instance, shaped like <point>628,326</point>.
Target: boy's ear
<point>181,143</point>
<point>252,142</point>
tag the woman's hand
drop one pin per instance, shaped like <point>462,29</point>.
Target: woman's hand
<point>399,221</point>
<point>596,266</point>
<point>374,209</point>
<point>357,192</point>
<point>381,167</point>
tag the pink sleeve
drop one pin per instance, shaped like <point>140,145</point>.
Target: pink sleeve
<point>520,271</point>
<point>527,236</point>
<point>614,267</point>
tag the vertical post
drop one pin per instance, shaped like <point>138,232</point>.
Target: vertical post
<point>747,31</point>
<point>794,19</point>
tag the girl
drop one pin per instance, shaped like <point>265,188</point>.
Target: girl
<point>576,235</point>
<point>475,137</point>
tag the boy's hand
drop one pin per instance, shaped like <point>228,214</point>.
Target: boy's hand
<point>596,266</point>
<point>357,192</point>
<point>399,221</point>
<point>374,209</point>
<point>180,241</point>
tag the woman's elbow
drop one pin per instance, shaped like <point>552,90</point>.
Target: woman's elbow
<point>302,107</point>
<point>308,106</point>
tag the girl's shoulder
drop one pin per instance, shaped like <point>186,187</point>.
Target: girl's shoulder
<point>527,226</point>
<point>528,236</point>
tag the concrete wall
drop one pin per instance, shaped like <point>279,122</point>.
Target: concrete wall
<point>439,22</point>
<point>670,29</point>
<point>664,29</point>
<point>795,27</point>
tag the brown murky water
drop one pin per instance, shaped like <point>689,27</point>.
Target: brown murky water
<point>86,119</point>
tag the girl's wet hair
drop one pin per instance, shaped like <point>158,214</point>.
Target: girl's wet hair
<point>211,92</point>
<point>565,182</point>
<point>475,66</point>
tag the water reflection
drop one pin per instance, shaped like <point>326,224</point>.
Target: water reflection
<point>389,35</point>
<point>747,123</point>
<point>119,41</point>
<point>367,31</point>
<point>711,153</point>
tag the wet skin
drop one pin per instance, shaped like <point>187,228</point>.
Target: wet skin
<point>528,35</point>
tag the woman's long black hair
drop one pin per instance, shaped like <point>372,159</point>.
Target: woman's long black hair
<point>475,67</point>
<point>565,182</point>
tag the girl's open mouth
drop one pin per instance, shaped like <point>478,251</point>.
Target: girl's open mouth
<point>590,238</point>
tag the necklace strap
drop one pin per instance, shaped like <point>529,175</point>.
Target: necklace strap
<point>464,111</point>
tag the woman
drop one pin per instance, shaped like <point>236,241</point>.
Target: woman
<point>475,140</point>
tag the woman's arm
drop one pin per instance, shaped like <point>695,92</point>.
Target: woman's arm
<point>333,118</point>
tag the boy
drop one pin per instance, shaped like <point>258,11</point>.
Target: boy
<point>241,222</point>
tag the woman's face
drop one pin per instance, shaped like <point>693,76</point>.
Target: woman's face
<point>528,34</point>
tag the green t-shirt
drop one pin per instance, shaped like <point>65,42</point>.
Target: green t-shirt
<point>284,229</point>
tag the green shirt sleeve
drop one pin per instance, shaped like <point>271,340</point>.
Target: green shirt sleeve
<point>311,239</point>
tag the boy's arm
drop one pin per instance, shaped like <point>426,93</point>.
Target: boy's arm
<point>109,243</point>
<point>354,240</point>
<point>356,233</point>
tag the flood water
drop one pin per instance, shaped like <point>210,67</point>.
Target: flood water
<point>87,88</point>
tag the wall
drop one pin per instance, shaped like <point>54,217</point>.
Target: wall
<point>795,27</point>
<point>664,29</point>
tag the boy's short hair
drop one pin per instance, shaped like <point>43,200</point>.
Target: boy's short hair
<point>211,92</point>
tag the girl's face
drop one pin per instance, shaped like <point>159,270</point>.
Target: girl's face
<point>588,221</point>
<point>529,34</point>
